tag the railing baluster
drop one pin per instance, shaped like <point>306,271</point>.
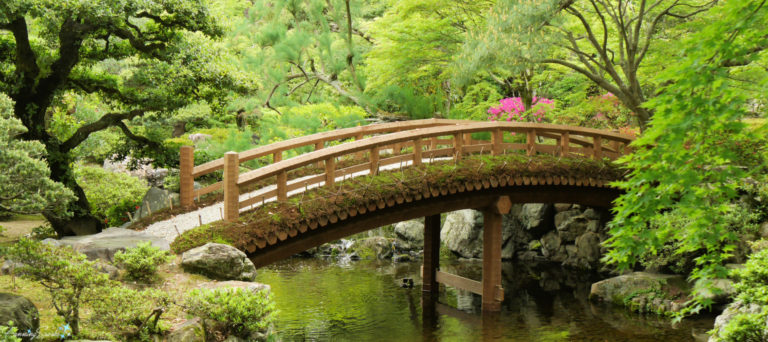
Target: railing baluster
<point>277,156</point>
<point>282,186</point>
<point>374,170</point>
<point>186,180</point>
<point>565,144</point>
<point>531,142</point>
<point>496,141</point>
<point>330,171</point>
<point>457,146</point>
<point>417,151</point>
<point>231,191</point>
<point>597,147</point>
<point>433,143</point>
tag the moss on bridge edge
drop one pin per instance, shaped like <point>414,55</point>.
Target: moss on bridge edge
<point>277,218</point>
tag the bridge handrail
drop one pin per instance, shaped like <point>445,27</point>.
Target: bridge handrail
<point>188,172</point>
<point>595,148</point>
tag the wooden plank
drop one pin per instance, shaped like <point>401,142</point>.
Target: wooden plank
<point>459,282</point>
<point>306,182</point>
<point>374,163</point>
<point>497,138</point>
<point>485,148</point>
<point>530,144</point>
<point>458,143</point>
<point>597,147</point>
<point>330,171</point>
<point>209,189</point>
<point>258,199</point>
<point>417,152</point>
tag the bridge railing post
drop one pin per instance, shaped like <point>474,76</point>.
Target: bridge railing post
<point>458,143</point>
<point>330,171</point>
<point>496,141</point>
<point>374,160</point>
<point>597,147</point>
<point>186,180</point>
<point>531,142</point>
<point>319,146</point>
<point>417,152</point>
<point>231,191</point>
<point>282,186</point>
<point>565,144</point>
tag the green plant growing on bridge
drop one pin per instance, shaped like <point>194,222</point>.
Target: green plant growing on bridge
<point>687,161</point>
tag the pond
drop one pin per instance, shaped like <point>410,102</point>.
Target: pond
<point>321,300</point>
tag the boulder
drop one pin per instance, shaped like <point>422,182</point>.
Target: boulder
<point>572,227</point>
<point>104,245</point>
<point>723,291</point>
<point>199,137</point>
<point>508,250</point>
<point>462,233</point>
<point>9,266</point>
<point>218,261</point>
<point>733,309</point>
<point>140,169</point>
<point>588,247</point>
<point>640,289</point>
<point>550,244</point>
<point>410,232</point>
<point>561,207</point>
<point>22,312</point>
<point>537,217</point>
<point>564,216</point>
<point>155,200</point>
<point>190,331</point>
<point>763,230</point>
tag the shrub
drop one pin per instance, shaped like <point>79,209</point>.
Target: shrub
<point>105,189</point>
<point>42,232</point>
<point>130,313</point>
<point>142,261</point>
<point>8,334</point>
<point>68,277</point>
<point>2,231</point>
<point>241,312</point>
<point>119,214</point>
<point>752,288</point>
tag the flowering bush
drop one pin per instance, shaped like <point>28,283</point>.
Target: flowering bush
<point>513,109</point>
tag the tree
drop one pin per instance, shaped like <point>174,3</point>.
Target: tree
<point>416,42</point>
<point>696,152</point>
<point>25,184</point>
<point>141,57</point>
<point>309,43</point>
<point>603,40</point>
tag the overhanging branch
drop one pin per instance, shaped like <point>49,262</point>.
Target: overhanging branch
<point>108,120</point>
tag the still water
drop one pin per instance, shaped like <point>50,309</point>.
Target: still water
<point>322,300</point>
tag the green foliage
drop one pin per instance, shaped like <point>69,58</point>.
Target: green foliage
<point>121,213</point>
<point>243,312</point>
<point>404,100</point>
<point>126,312</point>
<point>142,261</point>
<point>8,334</point>
<point>751,288</point>
<point>42,232</point>
<point>106,190</point>
<point>24,181</point>
<point>682,162</point>
<point>197,237</point>
<point>476,101</point>
<point>70,279</point>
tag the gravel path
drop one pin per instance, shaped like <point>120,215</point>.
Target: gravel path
<point>170,229</point>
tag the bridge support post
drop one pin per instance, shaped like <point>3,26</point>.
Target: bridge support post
<point>429,287</point>
<point>231,191</point>
<point>493,293</point>
<point>186,181</point>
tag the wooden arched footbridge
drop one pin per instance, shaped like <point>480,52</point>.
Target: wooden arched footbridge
<point>367,150</point>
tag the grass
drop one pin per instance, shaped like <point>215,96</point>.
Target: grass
<point>279,217</point>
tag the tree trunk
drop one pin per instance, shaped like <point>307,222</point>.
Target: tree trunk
<point>82,222</point>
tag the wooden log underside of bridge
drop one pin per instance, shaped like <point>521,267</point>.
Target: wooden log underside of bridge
<point>591,196</point>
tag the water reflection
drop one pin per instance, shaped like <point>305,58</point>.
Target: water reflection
<point>364,301</point>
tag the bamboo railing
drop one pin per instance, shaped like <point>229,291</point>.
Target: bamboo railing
<point>423,139</point>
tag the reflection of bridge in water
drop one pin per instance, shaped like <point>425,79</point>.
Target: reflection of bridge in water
<point>341,154</point>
